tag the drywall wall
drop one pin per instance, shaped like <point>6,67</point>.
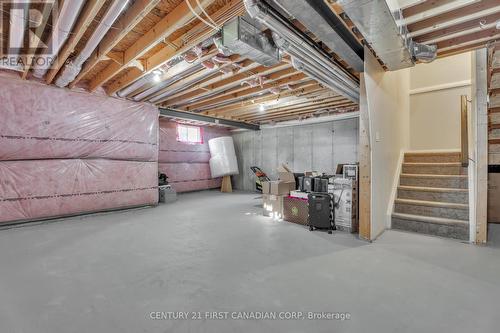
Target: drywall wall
<point>387,110</point>
<point>186,165</point>
<point>435,90</point>
<point>318,147</point>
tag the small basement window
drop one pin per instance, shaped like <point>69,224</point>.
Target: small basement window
<point>189,134</point>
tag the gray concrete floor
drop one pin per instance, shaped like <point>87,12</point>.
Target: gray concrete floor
<point>215,252</point>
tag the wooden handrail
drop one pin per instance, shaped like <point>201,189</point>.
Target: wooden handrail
<point>464,134</point>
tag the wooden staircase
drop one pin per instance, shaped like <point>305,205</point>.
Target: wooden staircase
<point>432,196</point>
<point>494,132</point>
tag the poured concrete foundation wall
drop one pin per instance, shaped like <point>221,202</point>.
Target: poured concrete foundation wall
<point>319,147</point>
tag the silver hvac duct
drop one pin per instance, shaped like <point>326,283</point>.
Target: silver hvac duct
<point>318,18</point>
<point>308,58</point>
<point>385,33</point>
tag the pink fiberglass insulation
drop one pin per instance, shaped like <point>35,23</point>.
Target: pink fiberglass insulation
<point>42,122</point>
<point>197,185</point>
<point>37,189</point>
<point>172,150</point>
<point>185,171</point>
<point>186,165</point>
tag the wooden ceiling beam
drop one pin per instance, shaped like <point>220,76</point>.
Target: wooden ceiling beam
<point>314,106</point>
<point>236,93</point>
<point>299,102</point>
<point>176,70</point>
<point>246,65</point>
<point>174,20</point>
<point>135,14</point>
<point>460,49</point>
<point>191,78</point>
<point>488,33</point>
<point>294,102</point>
<point>252,96</point>
<point>453,14</point>
<point>301,88</point>
<point>226,84</point>
<point>342,104</point>
<point>454,29</point>
<point>90,11</point>
<point>200,31</point>
<point>423,6</point>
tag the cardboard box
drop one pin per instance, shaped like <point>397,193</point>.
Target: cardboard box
<point>273,205</point>
<point>266,187</point>
<point>279,187</point>
<point>285,174</point>
<point>493,197</point>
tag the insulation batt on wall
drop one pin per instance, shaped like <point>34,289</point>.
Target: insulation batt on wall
<point>40,122</point>
<point>187,165</point>
<point>65,153</point>
<point>46,188</point>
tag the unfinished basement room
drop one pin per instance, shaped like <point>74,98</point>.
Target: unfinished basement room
<point>249,166</point>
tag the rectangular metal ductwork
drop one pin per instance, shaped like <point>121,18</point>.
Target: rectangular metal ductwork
<point>245,39</point>
<point>320,20</point>
<point>378,25</point>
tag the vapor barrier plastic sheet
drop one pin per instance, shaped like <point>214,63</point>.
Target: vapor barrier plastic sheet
<point>31,190</point>
<point>187,165</point>
<point>41,122</point>
<point>196,185</point>
<point>172,150</point>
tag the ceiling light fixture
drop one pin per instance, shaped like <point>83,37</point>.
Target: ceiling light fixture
<point>157,75</point>
<point>262,108</point>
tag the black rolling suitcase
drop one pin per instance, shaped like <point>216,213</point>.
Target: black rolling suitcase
<point>320,211</point>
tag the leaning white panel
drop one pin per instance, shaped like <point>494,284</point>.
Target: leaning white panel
<point>223,160</point>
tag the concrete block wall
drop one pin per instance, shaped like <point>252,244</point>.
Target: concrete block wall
<point>318,147</point>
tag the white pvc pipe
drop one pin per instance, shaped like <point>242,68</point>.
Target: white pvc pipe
<point>62,29</point>
<point>71,69</point>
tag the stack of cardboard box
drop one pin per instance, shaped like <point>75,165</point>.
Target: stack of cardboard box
<point>274,191</point>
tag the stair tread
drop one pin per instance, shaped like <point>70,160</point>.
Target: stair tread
<point>429,219</point>
<point>432,189</point>
<point>424,175</point>
<point>430,152</point>
<point>432,164</point>
<point>432,203</point>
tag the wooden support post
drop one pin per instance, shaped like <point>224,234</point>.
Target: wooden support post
<point>365,186</point>
<point>226,185</point>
